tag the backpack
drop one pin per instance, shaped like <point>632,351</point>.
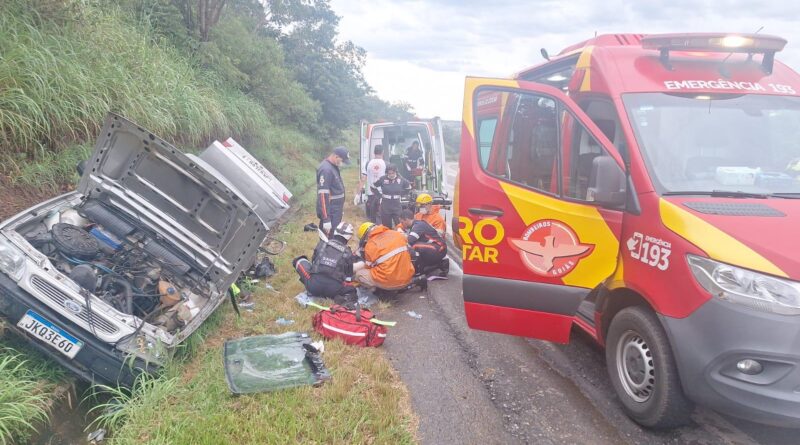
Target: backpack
<point>352,326</point>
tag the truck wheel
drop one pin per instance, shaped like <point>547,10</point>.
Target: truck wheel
<point>643,370</point>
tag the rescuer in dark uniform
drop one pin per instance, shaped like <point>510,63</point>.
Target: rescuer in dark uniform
<point>391,188</point>
<point>332,263</point>
<point>330,190</point>
<point>427,243</point>
<point>414,161</point>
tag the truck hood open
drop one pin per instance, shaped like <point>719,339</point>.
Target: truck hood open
<point>758,234</point>
<point>155,185</point>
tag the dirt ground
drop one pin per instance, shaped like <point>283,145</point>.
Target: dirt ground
<point>15,199</point>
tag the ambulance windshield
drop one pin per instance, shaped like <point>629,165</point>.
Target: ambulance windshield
<point>711,143</point>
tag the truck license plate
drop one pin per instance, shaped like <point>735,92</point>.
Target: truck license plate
<point>49,333</point>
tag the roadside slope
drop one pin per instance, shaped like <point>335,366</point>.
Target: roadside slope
<point>364,403</point>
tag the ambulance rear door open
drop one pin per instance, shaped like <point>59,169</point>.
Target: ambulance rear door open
<point>541,193</point>
<point>438,157</point>
<point>365,150</point>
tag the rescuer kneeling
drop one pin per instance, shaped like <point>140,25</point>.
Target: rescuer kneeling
<point>387,258</point>
<point>427,243</point>
<point>330,266</point>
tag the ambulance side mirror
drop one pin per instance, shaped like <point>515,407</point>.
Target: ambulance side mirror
<point>607,183</point>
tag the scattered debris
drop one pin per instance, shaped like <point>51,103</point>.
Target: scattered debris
<point>422,296</point>
<point>319,346</point>
<point>310,227</point>
<point>264,269</point>
<point>247,305</point>
<point>365,297</point>
<point>96,436</point>
<point>269,287</point>
<point>304,299</point>
<point>413,314</point>
<point>284,322</point>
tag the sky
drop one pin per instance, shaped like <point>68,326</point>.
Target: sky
<point>420,51</point>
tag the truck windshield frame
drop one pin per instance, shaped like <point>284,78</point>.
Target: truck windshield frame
<point>702,143</point>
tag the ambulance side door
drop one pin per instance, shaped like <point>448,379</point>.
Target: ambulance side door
<point>538,231</point>
<point>364,152</point>
<point>439,156</point>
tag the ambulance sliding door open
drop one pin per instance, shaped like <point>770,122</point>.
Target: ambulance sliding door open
<point>540,199</point>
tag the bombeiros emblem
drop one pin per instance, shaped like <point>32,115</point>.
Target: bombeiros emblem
<point>550,248</point>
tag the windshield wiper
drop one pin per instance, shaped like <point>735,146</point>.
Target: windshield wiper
<point>719,194</point>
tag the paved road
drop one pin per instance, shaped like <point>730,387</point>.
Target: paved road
<point>475,387</point>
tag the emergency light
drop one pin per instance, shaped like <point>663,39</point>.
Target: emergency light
<point>717,42</point>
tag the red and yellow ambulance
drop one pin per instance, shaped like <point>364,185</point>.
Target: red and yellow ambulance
<point>645,188</point>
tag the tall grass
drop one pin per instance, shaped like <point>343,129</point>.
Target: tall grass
<point>147,395</point>
<point>57,83</point>
<point>25,383</point>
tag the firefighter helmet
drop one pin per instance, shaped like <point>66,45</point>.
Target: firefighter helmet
<point>364,228</point>
<point>424,198</point>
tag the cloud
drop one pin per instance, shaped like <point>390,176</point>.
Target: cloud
<point>420,51</point>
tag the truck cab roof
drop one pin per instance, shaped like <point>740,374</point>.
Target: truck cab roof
<point>615,64</point>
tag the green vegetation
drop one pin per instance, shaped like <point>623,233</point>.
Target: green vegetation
<point>65,63</point>
<point>26,381</point>
<point>270,74</point>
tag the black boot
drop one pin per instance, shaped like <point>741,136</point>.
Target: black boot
<point>445,266</point>
<point>421,281</point>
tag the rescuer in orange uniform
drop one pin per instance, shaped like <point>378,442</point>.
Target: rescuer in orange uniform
<point>387,258</point>
<point>429,213</point>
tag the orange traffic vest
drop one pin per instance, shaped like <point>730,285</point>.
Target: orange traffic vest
<point>387,256</point>
<point>433,218</point>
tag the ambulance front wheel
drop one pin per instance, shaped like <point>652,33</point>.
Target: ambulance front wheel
<point>643,370</point>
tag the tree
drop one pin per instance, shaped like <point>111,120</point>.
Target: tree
<point>200,15</point>
<point>330,71</point>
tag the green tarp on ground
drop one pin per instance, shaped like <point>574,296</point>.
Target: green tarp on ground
<point>271,362</point>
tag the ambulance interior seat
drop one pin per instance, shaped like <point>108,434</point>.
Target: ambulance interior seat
<point>543,150</point>
<point>586,150</point>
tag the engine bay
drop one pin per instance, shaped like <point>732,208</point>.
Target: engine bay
<point>127,267</point>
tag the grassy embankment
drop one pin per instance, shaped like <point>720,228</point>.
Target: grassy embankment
<point>365,402</point>
<point>57,81</point>
<point>27,382</point>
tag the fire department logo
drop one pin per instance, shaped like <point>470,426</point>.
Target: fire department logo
<point>550,248</point>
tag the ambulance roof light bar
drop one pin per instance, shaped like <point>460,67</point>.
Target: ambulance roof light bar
<point>716,42</point>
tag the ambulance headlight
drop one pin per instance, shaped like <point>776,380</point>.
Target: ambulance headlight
<point>755,290</point>
<point>12,260</point>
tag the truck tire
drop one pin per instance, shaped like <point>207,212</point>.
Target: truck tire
<point>643,370</point>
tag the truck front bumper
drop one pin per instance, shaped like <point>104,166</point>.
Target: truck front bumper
<point>96,362</point>
<point>710,343</point>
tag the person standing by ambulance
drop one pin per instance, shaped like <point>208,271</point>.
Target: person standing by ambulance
<point>391,187</point>
<point>330,190</point>
<point>373,171</point>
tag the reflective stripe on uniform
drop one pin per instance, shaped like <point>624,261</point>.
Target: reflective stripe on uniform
<point>337,196</point>
<point>323,191</point>
<point>391,196</point>
<point>385,257</point>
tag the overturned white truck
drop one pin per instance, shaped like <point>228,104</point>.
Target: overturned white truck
<point>108,278</point>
